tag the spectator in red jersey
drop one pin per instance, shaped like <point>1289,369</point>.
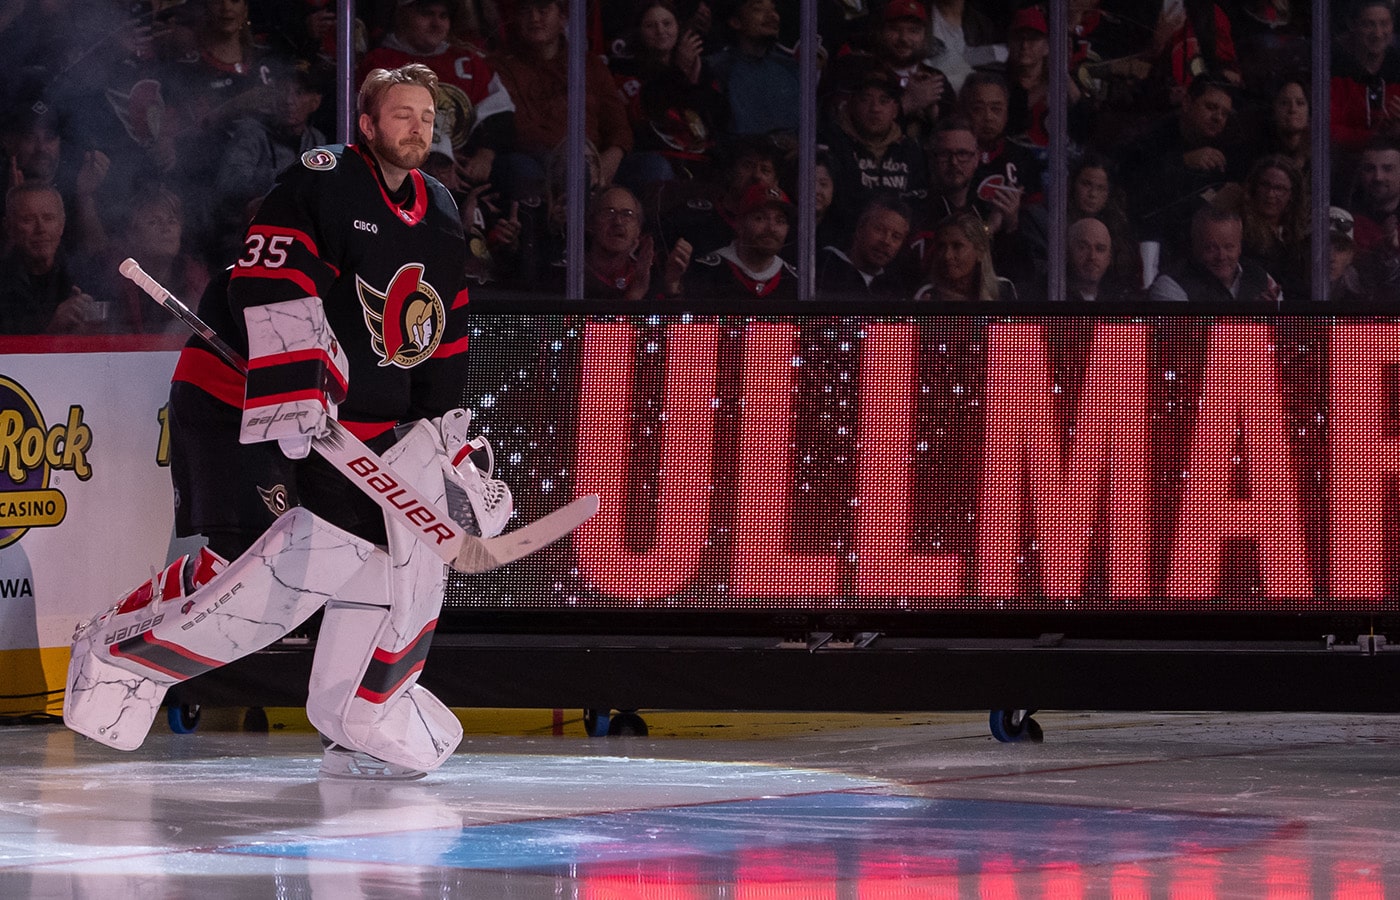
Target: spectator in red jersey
<point>474,108</point>
<point>1366,78</point>
<point>1193,39</point>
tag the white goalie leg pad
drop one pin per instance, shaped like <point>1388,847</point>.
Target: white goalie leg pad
<point>124,659</point>
<point>375,637</point>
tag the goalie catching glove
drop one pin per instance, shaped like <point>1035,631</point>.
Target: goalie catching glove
<point>476,501</point>
<point>297,375</point>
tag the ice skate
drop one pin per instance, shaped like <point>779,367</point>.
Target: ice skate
<point>342,762</point>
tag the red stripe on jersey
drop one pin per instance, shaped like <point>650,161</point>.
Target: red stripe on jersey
<point>211,375</point>
<point>753,284</point>
<point>310,354</point>
<point>288,397</point>
<point>296,276</point>
<point>445,350</point>
<point>461,299</point>
<point>295,234</point>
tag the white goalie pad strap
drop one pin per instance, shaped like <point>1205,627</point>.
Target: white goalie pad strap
<point>123,661</point>
<point>297,373</point>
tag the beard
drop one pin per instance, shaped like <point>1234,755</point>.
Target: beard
<point>404,155</point>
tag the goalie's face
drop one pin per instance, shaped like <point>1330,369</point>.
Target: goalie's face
<point>402,128</point>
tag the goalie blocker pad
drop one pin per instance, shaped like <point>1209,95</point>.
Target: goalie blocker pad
<point>298,373</point>
<point>168,631</point>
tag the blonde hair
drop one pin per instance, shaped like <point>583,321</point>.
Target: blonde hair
<point>378,82</point>
<point>971,226</point>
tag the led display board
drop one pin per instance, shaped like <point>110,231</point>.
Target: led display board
<point>970,464</point>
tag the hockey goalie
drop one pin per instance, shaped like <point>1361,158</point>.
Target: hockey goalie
<point>348,304</point>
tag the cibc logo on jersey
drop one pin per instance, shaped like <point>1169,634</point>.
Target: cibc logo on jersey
<point>405,319</point>
<point>29,451</point>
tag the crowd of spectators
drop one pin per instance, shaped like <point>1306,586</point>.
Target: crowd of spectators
<point>152,128</point>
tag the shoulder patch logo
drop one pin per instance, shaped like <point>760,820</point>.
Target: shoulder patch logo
<point>275,498</point>
<point>405,319</point>
<point>318,159</point>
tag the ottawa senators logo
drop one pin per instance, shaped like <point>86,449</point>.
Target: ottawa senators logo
<point>405,320</point>
<point>141,110</point>
<point>456,114</point>
<point>275,498</point>
<point>318,159</point>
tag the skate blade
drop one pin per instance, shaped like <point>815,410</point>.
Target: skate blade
<point>342,765</point>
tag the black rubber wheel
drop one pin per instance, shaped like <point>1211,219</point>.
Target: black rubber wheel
<point>1011,726</point>
<point>627,724</point>
<point>184,718</point>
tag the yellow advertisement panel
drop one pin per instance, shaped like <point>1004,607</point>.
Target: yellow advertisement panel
<point>85,503</point>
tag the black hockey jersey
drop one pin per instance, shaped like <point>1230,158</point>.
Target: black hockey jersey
<point>722,276</point>
<point>389,269</point>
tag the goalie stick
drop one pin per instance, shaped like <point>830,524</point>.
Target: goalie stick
<point>400,500</point>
